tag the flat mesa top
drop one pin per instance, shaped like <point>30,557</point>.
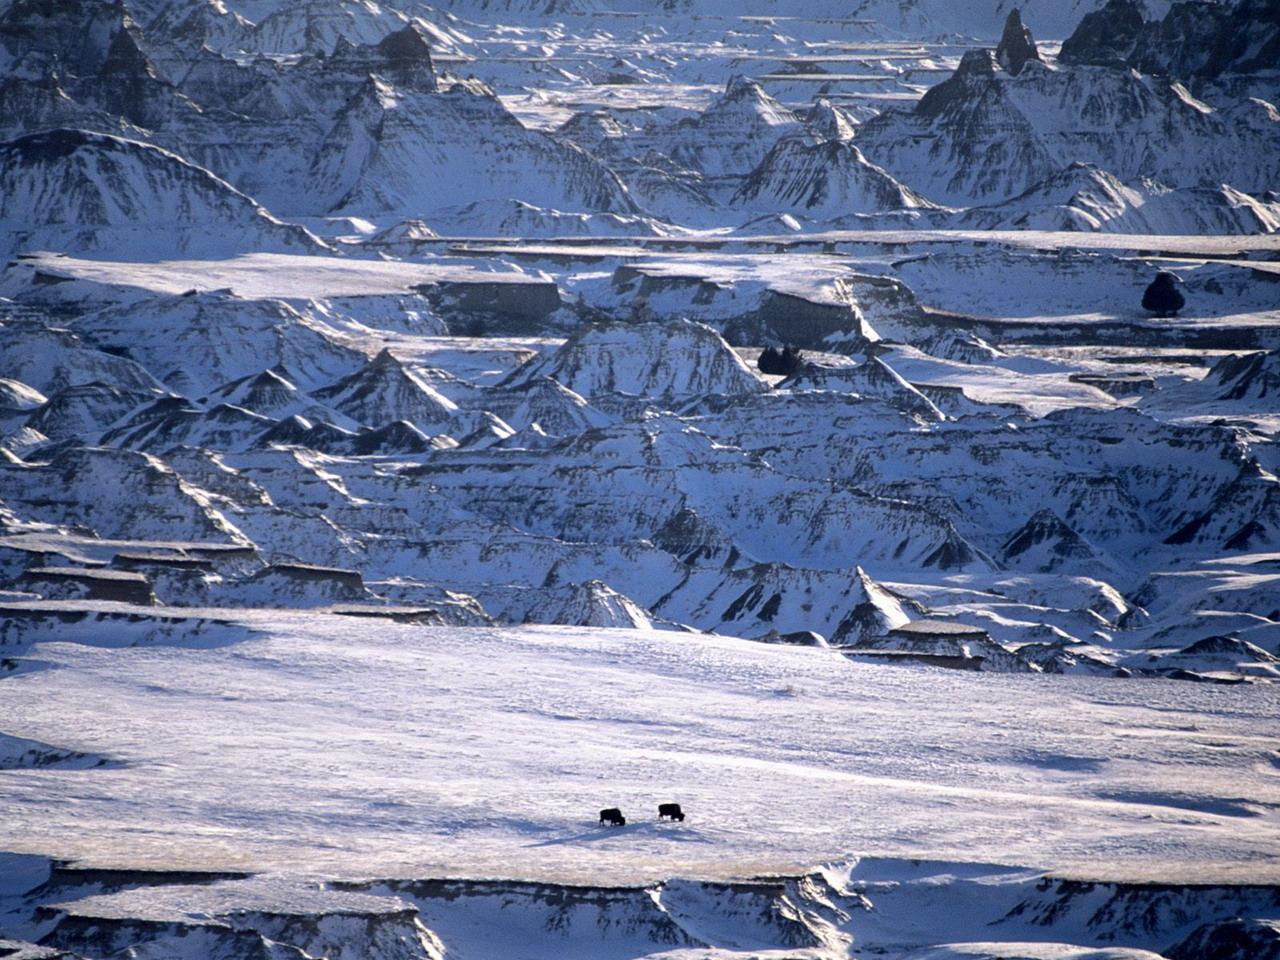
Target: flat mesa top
<point>319,744</point>
<point>939,628</point>
<point>288,276</point>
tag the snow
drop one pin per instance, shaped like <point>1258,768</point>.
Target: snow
<point>326,745</point>
<point>475,516</point>
<point>261,276</point>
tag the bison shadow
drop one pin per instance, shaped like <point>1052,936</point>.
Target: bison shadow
<point>677,832</point>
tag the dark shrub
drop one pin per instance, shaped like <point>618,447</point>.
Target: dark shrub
<point>782,362</point>
<point>1163,298</point>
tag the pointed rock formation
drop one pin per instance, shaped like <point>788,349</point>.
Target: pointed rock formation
<point>384,390</point>
<point>72,190</point>
<point>872,378</point>
<point>590,604</point>
<point>402,57</point>
<point>399,437</point>
<point>1017,46</point>
<point>1046,543</point>
<point>680,359</point>
<point>822,180</point>
<point>1106,37</point>
<point>828,122</point>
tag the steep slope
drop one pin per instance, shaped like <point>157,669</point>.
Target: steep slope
<point>1195,41</point>
<point>116,494</point>
<point>389,151</point>
<point>681,359</point>
<point>984,135</point>
<point>84,411</point>
<point>1017,47</point>
<point>1082,197</point>
<point>732,135</point>
<point>49,359</point>
<point>822,181</point>
<point>199,341</point>
<point>74,190</point>
<point>384,390</point>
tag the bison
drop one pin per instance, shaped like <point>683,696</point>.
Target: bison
<point>670,810</point>
<point>612,816</point>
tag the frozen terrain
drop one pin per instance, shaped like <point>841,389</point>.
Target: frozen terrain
<point>398,466</point>
<point>314,748</point>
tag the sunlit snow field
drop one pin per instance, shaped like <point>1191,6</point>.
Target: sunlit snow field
<point>320,743</point>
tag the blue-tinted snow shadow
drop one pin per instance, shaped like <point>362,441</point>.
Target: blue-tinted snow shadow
<point>674,832</point>
<point>1068,763</point>
<point>1216,806</point>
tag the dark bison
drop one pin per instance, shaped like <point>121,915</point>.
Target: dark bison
<point>613,816</point>
<point>671,810</point>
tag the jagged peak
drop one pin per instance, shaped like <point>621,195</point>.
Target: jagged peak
<point>740,86</point>
<point>977,63</point>
<point>742,94</point>
<point>1017,46</point>
<point>830,123</point>
<point>257,385</point>
<point>125,56</point>
<point>402,58</point>
<point>398,436</point>
<point>271,378</point>
<point>385,360</point>
<point>1046,530</point>
<point>407,44</point>
<point>1105,37</point>
<point>976,69</point>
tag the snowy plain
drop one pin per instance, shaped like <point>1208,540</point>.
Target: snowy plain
<point>400,363</point>
<point>321,744</point>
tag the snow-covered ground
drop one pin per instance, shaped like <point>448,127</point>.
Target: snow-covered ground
<point>339,746</point>
<point>425,426</point>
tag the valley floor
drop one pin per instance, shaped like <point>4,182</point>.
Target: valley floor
<point>318,743</point>
<point>425,426</point>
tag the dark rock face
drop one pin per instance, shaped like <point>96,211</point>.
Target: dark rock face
<point>1255,375</point>
<point>975,71</point>
<point>402,57</point>
<point>95,52</point>
<point>408,59</point>
<point>1106,37</point>
<point>77,33</point>
<point>1232,940</point>
<point>1048,531</point>
<point>1248,41</point>
<point>397,437</point>
<point>1196,40</point>
<point>76,583</point>
<point>1017,46</point>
